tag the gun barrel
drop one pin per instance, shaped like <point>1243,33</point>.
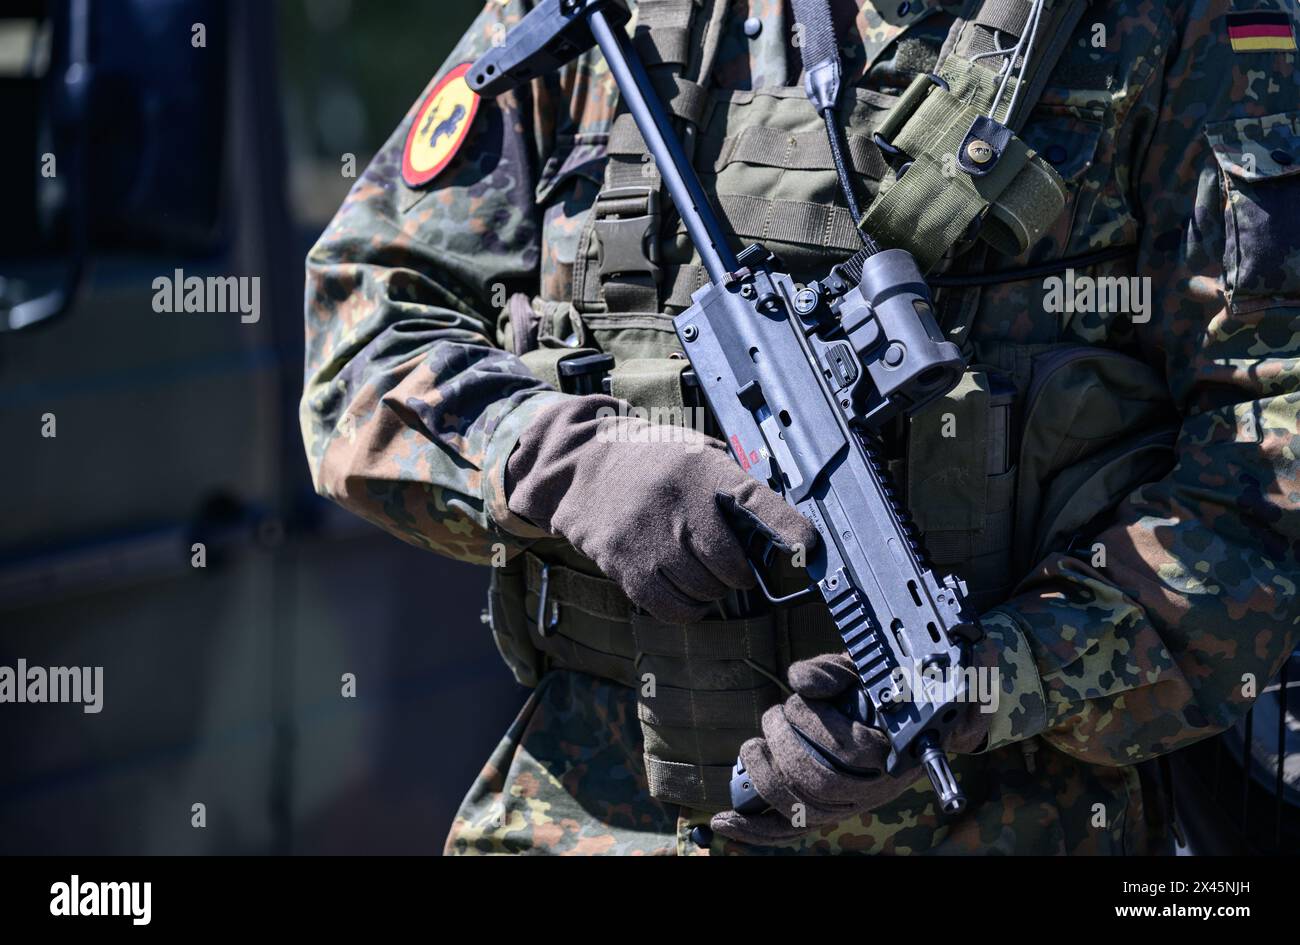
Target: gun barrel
<point>674,167</point>
<point>944,782</point>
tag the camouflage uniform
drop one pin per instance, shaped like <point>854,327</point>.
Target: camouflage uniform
<point>1171,143</point>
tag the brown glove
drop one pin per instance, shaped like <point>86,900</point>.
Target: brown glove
<point>803,792</point>
<point>653,506</point>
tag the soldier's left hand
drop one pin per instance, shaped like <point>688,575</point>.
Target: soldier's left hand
<point>805,793</point>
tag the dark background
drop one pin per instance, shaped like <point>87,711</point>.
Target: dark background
<point>221,685</point>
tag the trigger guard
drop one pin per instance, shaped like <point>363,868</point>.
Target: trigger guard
<point>785,601</point>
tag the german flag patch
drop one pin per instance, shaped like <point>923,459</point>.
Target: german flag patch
<point>1261,31</point>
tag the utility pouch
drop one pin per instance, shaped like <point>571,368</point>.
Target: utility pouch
<point>960,476</point>
<point>656,384</point>
<point>961,171</point>
<point>947,451</point>
<point>1097,425</point>
<point>549,337</point>
<point>965,173</point>
<point>1030,454</point>
<point>506,616</point>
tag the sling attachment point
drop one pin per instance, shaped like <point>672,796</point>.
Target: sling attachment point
<point>546,622</point>
<point>822,75</point>
<point>983,145</point>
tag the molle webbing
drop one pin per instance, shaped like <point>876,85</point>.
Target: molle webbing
<point>791,221</point>
<point>701,688</point>
<point>806,151</point>
<point>628,213</point>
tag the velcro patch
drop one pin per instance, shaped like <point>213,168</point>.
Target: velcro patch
<point>1261,31</point>
<point>441,126</point>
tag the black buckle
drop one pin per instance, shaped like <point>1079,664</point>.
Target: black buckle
<point>627,225</point>
<point>584,374</point>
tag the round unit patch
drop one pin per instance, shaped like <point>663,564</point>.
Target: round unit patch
<point>440,127</point>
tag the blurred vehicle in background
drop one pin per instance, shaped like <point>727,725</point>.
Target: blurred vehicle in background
<point>134,150</point>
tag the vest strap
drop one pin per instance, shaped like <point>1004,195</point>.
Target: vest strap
<point>627,277</point>
<point>702,787</point>
<point>545,364</point>
<point>791,221</point>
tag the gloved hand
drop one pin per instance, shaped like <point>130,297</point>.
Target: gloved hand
<point>653,506</point>
<point>786,775</point>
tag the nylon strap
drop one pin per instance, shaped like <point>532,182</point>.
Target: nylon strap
<point>820,51</point>
<point>545,362</point>
<point>1007,16</point>
<point>703,787</point>
<point>809,151</point>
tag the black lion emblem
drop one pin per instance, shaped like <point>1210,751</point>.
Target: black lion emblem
<point>446,127</point>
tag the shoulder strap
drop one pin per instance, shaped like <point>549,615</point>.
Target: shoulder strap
<point>977,32</point>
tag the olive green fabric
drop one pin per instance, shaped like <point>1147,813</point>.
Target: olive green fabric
<point>948,449</point>
<point>545,362</point>
<point>507,618</point>
<point>654,383</point>
<point>1093,424</point>
<point>934,205</point>
<point>701,688</point>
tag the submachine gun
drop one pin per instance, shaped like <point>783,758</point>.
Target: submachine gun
<point>800,380</point>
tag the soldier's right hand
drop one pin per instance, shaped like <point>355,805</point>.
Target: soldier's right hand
<point>652,505</point>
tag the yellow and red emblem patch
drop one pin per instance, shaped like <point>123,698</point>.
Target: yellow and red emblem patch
<point>441,126</point>
<point>1261,31</point>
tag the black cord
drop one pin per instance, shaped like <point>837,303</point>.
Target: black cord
<point>1023,273</point>
<point>834,135</point>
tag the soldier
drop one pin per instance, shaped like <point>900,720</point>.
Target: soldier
<point>1115,478</point>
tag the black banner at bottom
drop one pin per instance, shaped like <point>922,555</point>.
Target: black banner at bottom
<point>335,895</point>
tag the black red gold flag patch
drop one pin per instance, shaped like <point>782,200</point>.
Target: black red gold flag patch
<point>1261,31</point>
<point>440,127</point>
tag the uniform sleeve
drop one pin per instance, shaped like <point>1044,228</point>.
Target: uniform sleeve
<point>410,410</point>
<point>1196,606</point>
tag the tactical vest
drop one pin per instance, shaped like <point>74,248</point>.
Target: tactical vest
<point>1022,458</point>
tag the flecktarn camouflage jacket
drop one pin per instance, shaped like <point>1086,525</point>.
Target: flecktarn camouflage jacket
<point>1177,132</point>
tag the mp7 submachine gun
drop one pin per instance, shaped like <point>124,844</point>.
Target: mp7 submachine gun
<point>800,380</point>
